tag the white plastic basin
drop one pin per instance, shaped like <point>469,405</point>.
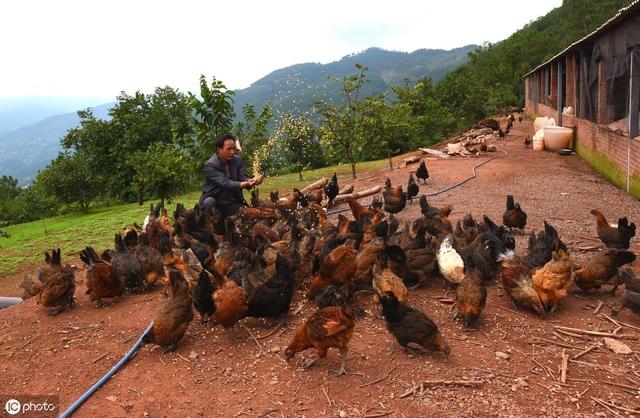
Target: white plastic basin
<point>557,137</point>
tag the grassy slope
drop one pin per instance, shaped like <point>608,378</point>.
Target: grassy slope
<point>73,232</point>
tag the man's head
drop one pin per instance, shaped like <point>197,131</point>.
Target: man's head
<point>226,147</point>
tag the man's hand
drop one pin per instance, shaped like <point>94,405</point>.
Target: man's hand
<point>251,182</point>
<point>258,179</point>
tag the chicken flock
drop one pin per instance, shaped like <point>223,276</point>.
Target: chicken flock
<point>252,265</point>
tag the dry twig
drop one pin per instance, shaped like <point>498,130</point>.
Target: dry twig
<point>564,366</point>
<point>380,379</point>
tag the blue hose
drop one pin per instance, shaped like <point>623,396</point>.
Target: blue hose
<point>104,378</point>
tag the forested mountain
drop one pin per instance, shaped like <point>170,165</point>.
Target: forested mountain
<point>295,88</point>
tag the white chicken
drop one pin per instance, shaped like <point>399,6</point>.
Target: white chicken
<point>450,262</point>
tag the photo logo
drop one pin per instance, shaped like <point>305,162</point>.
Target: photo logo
<point>12,407</point>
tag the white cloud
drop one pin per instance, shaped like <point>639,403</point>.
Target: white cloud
<point>87,48</point>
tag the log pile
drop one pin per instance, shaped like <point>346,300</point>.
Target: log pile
<point>473,141</point>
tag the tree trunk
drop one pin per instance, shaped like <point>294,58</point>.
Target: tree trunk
<point>85,207</point>
<point>353,169</point>
<point>161,201</point>
<point>140,196</point>
<point>300,175</point>
<point>390,160</point>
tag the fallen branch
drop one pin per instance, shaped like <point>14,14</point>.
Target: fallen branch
<point>327,396</point>
<point>614,406</point>
<point>511,310</point>
<point>357,195</point>
<point>379,380</point>
<point>634,388</point>
<point>273,331</point>
<point>564,366</point>
<point>619,323</point>
<point>464,383</point>
<point>99,358</point>
<point>379,414</point>
<point>316,185</point>
<point>253,337</point>
<point>596,333</point>
<point>346,189</point>
<point>573,347</point>
<point>583,352</point>
<point>597,309</point>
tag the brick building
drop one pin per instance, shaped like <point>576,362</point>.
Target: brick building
<point>594,86</point>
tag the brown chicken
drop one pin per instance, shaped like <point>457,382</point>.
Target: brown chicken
<point>516,280</point>
<point>411,326</point>
<point>102,280</point>
<point>394,198</point>
<point>614,236</point>
<point>172,321</point>
<point>471,295</point>
<point>230,302</point>
<point>602,268</point>
<point>384,279</point>
<point>359,211</point>
<point>58,284</point>
<point>514,216</point>
<point>552,280</point>
<point>330,327</point>
<point>632,292</point>
<point>337,268</point>
<point>30,287</point>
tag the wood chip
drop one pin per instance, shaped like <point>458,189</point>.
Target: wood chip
<point>617,346</point>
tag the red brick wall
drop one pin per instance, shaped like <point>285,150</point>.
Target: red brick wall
<point>570,94</point>
<point>593,140</point>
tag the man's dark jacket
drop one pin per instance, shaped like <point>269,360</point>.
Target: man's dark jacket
<point>217,184</point>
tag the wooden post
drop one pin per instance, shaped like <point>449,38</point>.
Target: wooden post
<point>560,98</point>
<point>582,87</point>
<point>634,108</point>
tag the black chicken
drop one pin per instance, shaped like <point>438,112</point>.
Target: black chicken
<point>273,297</point>
<point>203,296</point>
<point>127,265</point>
<point>412,188</point>
<point>542,246</point>
<point>332,189</point>
<point>422,172</point>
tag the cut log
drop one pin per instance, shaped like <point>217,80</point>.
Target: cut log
<point>317,185</point>
<point>411,160</point>
<point>357,195</point>
<point>346,189</point>
<point>434,152</point>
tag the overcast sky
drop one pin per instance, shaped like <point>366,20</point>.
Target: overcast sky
<point>98,47</point>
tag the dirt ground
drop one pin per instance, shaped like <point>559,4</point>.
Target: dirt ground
<point>210,374</point>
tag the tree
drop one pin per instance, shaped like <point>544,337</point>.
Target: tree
<point>213,116</point>
<point>70,179</point>
<point>389,128</point>
<point>161,170</point>
<point>340,124</point>
<point>252,131</point>
<point>299,140</point>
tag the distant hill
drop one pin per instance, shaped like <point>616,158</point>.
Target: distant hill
<point>295,88</point>
<point>30,148</point>
<point>16,112</point>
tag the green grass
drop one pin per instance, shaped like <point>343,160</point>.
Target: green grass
<point>72,232</point>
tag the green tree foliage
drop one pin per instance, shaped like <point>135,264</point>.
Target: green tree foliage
<point>69,179</point>
<point>252,131</point>
<point>161,170</point>
<point>340,125</point>
<point>388,129</point>
<point>213,116</point>
<point>298,137</point>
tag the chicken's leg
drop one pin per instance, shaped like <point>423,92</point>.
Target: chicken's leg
<point>341,371</point>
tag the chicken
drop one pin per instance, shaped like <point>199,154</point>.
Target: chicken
<point>516,280</point>
<point>332,189</point>
<point>273,298</point>
<point>422,172</point>
<point>330,327</point>
<point>337,268</point>
<point>614,236</point>
<point>314,196</point>
<point>450,262</point>
<point>527,140</point>
<point>203,297</point>
<point>499,231</point>
<point>542,246</point>
<point>632,292</point>
<point>172,321</point>
<point>411,326</point>
<point>429,211</point>
<point>102,280</point>
<point>360,211</point>
<point>552,280</point>
<point>394,198</point>
<point>483,253</point>
<point>127,265</point>
<point>412,188</point>
<point>471,295</point>
<point>366,259</point>
<point>384,279</point>
<point>30,287</point>
<point>602,268</point>
<point>230,301</point>
<point>150,260</point>
<point>58,284</point>
<point>514,216</point>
